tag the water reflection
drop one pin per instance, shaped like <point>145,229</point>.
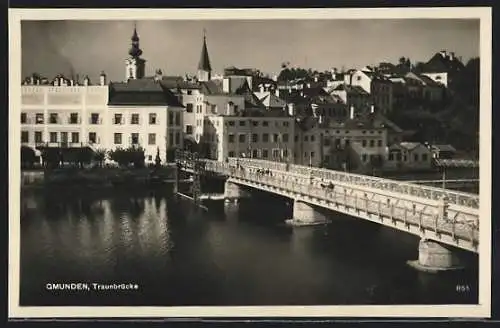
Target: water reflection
<point>231,254</point>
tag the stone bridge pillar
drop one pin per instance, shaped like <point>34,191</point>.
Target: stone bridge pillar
<point>435,257</point>
<point>234,192</point>
<point>306,214</point>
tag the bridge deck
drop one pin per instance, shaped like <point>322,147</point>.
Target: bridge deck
<point>401,205</point>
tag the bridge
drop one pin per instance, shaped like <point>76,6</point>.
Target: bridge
<point>445,220</point>
<point>451,183</point>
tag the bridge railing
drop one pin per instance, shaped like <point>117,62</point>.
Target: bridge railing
<point>425,218</point>
<point>417,190</point>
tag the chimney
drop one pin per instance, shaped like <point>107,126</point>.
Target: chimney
<point>159,76</point>
<point>351,113</point>
<point>71,82</point>
<point>86,80</point>
<point>316,79</point>
<point>226,85</point>
<point>32,80</point>
<point>37,81</point>
<point>372,109</point>
<point>56,82</point>
<point>277,92</point>
<point>102,78</point>
<point>320,119</point>
<point>62,81</point>
<point>261,87</point>
<point>443,53</point>
<point>452,55</point>
<point>314,110</point>
<point>291,109</point>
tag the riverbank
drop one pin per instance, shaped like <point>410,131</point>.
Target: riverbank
<point>98,177</point>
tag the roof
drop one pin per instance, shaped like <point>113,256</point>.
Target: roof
<point>271,100</point>
<point>238,86</point>
<point>351,89</point>
<point>442,62</point>
<point>143,92</point>
<point>410,145</point>
<point>443,148</point>
<point>204,63</point>
<point>421,79</point>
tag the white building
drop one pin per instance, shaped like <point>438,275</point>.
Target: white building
<point>139,112</point>
<point>409,156</point>
<point>263,137</point>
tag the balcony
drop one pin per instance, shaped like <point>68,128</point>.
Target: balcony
<point>60,144</point>
<point>73,121</point>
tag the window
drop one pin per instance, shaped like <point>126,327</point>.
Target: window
<point>189,129</point>
<point>265,123</point>
<point>363,157</point>
<point>424,157</point>
<point>118,138</point>
<point>24,136</point>
<point>415,157</point>
<point>379,143</point>
<point>189,108</point>
<point>242,123</point>
<point>326,142</point>
<point>241,138</point>
<point>285,123</point>
<point>73,118</point>
<point>231,154</point>
<point>364,132</point>
<point>255,137</point>
<point>135,119</point>
<point>178,138</point>
<point>265,153</point>
<point>53,137</point>
<point>312,138</point>
<point>363,143</point>
<point>92,137</point>
<point>170,118</point>
<point>285,152</point>
<point>118,119</point>
<point>275,137</point>
<point>150,157</point>
<point>372,143</point>
<point>38,137</point>
<point>391,156</point>
<point>135,138</point>
<point>23,118</point>
<point>312,154</point>
<point>53,118</point>
<point>276,153</point>
<point>358,78</point>
<point>306,138</point>
<point>189,92</point>
<point>230,123</point>
<point>178,119</point>
<point>296,138</point>
<point>170,139</point>
<point>152,118</point>
<point>39,118</point>
<point>236,108</point>
<point>255,123</point>
<point>152,139</point>
<point>327,159</point>
<point>255,153</point>
<point>231,138</point>
<point>265,137</point>
<point>398,157</point>
<point>94,118</point>
<point>75,137</point>
<point>285,137</point>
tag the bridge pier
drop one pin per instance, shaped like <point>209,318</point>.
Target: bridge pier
<point>306,214</point>
<point>435,257</point>
<point>233,192</point>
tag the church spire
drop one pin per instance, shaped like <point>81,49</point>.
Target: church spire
<point>204,67</point>
<point>135,51</point>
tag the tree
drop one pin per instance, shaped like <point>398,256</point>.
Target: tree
<point>157,159</point>
<point>100,156</point>
<point>125,157</point>
<point>28,157</point>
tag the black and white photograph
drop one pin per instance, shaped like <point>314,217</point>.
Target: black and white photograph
<point>250,162</point>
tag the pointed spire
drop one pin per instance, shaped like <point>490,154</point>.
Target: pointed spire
<point>204,64</point>
<point>135,51</point>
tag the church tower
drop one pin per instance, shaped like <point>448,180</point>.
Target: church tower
<point>204,68</point>
<point>135,65</point>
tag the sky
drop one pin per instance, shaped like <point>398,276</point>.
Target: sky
<point>89,47</point>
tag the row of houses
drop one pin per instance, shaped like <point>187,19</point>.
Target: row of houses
<point>220,117</point>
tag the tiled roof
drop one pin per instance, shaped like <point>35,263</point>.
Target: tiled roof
<point>439,63</point>
<point>141,92</point>
<point>271,100</point>
<point>410,145</point>
<point>351,89</point>
<point>444,148</point>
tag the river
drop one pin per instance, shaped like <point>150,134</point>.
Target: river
<point>229,255</point>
